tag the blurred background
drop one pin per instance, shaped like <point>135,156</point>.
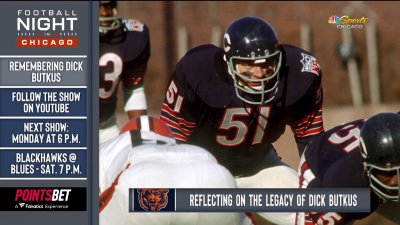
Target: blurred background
<point>359,66</point>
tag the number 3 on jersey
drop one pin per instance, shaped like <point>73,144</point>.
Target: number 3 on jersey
<point>110,76</point>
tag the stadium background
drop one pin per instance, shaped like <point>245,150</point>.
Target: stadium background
<point>178,26</point>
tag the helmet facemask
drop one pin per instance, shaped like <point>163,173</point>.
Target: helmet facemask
<point>111,22</point>
<point>386,192</point>
<point>379,148</point>
<point>256,90</point>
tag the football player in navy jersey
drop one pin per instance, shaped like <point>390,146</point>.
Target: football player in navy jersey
<point>124,53</point>
<point>235,102</point>
<point>358,154</point>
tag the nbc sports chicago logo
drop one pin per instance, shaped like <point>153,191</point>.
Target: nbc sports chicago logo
<point>346,22</point>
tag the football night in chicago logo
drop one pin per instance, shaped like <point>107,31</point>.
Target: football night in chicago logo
<point>46,28</point>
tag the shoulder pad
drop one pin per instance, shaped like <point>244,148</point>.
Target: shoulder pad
<point>133,25</point>
<point>305,60</point>
<point>202,68</point>
<point>310,64</point>
<point>300,76</point>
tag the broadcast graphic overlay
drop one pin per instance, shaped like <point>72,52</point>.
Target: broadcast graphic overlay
<point>346,22</point>
<point>154,200</point>
<point>46,112</point>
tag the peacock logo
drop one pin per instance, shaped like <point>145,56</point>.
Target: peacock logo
<point>334,19</point>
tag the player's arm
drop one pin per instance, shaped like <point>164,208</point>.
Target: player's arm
<point>308,122</point>
<point>309,180</point>
<point>180,110</point>
<point>135,102</point>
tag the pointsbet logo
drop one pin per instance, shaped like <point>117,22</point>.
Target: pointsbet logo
<point>42,194</point>
<point>46,28</point>
<point>43,199</point>
<point>347,22</point>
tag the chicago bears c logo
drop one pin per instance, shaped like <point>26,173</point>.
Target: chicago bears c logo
<point>153,199</point>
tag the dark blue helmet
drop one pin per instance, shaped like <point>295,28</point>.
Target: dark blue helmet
<point>112,21</point>
<point>380,148</point>
<point>253,39</point>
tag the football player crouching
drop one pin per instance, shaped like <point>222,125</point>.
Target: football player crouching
<point>145,156</point>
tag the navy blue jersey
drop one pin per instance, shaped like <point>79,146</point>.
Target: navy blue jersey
<point>201,107</point>
<point>124,54</point>
<point>333,160</point>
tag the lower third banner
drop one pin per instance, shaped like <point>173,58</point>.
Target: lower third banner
<point>249,200</point>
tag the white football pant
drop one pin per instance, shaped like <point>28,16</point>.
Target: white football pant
<point>277,175</point>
